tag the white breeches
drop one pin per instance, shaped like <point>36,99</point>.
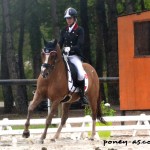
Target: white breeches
<point>78,63</point>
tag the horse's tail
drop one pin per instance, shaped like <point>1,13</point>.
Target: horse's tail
<point>99,111</point>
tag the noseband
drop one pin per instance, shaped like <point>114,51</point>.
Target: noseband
<point>48,66</point>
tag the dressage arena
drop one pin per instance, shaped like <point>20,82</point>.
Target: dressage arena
<point>130,136</point>
<point>67,143</point>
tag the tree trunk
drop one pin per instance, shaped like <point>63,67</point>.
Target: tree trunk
<point>100,49</point>
<point>84,24</point>
<point>20,46</point>
<point>54,16</point>
<point>20,102</point>
<point>142,5</point>
<point>112,52</point>
<point>8,98</point>
<point>35,38</point>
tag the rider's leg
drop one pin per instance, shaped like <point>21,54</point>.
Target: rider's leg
<point>77,62</point>
<point>83,98</point>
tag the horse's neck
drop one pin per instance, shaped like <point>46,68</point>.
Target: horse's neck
<point>60,69</point>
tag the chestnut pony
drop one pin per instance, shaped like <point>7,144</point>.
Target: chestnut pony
<point>52,83</point>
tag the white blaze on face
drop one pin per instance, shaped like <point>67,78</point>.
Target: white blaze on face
<point>45,62</point>
<point>46,59</point>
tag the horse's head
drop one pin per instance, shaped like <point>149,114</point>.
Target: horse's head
<point>49,56</point>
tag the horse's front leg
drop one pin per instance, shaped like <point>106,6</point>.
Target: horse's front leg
<point>64,117</point>
<point>36,100</point>
<point>49,119</point>
<point>26,132</point>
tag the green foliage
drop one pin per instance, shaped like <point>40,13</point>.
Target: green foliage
<point>107,110</point>
<point>120,7</point>
<point>91,3</point>
<point>41,10</point>
<point>28,69</point>
<point>104,134</point>
<point>105,107</point>
<point>147,4</point>
<point>33,127</point>
<point>87,110</point>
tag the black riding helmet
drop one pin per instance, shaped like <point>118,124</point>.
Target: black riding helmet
<point>70,12</point>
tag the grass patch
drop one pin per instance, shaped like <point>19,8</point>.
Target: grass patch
<point>33,127</point>
<point>102,134</point>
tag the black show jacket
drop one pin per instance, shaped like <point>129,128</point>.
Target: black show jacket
<point>73,39</point>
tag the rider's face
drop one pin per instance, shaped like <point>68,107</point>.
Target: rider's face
<point>70,21</point>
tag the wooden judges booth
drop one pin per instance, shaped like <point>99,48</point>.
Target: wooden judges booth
<point>134,61</point>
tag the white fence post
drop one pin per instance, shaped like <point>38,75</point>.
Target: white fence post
<point>6,125</point>
<point>140,122</point>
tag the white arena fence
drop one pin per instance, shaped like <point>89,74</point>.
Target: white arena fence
<point>142,123</point>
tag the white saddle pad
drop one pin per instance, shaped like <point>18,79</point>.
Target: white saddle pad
<point>70,81</point>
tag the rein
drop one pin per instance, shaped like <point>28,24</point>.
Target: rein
<point>47,66</point>
<point>51,67</point>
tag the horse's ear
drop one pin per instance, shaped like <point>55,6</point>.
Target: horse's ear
<point>55,42</point>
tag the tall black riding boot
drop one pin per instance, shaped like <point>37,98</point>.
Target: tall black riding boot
<point>83,98</point>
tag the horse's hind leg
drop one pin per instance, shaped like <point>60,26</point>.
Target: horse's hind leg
<point>64,117</point>
<point>93,105</point>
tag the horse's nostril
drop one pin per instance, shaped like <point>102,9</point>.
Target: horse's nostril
<point>45,75</point>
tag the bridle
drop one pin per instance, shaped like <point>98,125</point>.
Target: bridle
<point>46,67</point>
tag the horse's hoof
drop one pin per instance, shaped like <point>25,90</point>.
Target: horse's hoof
<point>40,141</point>
<point>91,139</point>
<point>53,140</point>
<point>44,148</point>
<point>26,134</point>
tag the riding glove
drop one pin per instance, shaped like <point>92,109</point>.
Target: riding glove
<point>66,50</point>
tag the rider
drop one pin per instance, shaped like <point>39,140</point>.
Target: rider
<point>72,40</point>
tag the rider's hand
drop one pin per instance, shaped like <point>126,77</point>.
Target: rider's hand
<point>66,50</point>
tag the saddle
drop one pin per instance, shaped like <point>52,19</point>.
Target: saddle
<point>73,85</point>
<point>74,75</point>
